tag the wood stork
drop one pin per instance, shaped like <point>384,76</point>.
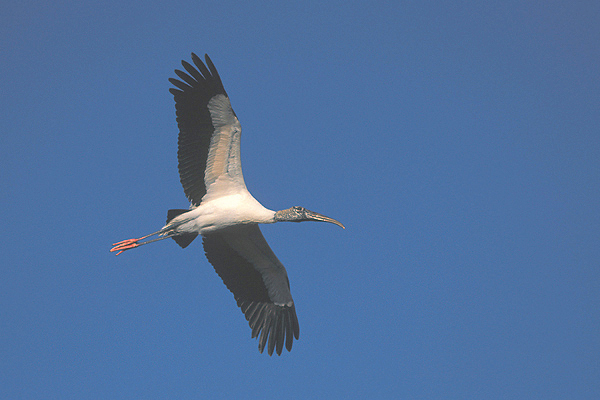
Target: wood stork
<point>223,211</point>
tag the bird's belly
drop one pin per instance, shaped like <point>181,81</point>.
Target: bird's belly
<point>222,213</point>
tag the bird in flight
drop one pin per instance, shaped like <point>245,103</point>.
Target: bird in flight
<point>223,211</point>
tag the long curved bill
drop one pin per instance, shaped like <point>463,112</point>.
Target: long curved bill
<point>314,216</point>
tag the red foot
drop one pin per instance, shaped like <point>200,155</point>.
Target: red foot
<point>125,245</point>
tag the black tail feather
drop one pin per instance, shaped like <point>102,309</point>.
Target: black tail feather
<point>185,239</point>
<point>175,212</point>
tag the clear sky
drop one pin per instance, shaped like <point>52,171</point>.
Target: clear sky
<point>459,142</point>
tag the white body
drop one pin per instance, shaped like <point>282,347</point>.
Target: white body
<point>221,212</point>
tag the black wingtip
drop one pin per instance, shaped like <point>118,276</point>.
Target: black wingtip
<point>275,326</point>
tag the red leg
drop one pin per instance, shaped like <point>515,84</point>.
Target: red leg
<point>125,245</point>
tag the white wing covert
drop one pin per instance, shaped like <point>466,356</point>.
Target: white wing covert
<point>209,131</point>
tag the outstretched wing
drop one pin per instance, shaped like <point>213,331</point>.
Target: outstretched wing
<point>209,131</point>
<point>258,281</point>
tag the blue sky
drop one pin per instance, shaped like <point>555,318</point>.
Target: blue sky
<point>459,142</point>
